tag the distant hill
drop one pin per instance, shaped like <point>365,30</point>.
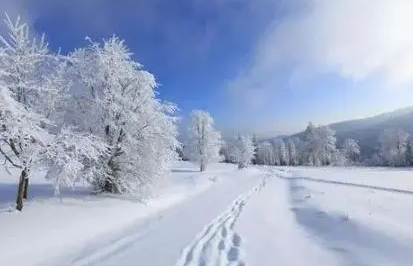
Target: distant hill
<point>367,130</point>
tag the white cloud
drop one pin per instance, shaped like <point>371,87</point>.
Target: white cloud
<point>357,39</point>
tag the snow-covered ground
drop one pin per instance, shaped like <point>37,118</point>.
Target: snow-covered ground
<point>258,216</point>
<point>362,216</point>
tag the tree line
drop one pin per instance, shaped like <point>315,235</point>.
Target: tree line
<point>318,146</point>
<point>204,144</point>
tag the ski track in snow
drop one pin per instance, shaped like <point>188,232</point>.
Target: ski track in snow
<point>97,254</point>
<point>219,244</point>
<point>354,243</point>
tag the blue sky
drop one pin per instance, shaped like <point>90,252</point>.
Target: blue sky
<point>258,66</point>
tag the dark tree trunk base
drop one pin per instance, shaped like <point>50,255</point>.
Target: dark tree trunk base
<point>26,188</point>
<point>109,187</point>
<point>21,189</point>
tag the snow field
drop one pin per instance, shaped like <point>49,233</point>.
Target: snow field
<point>223,217</point>
<point>360,215</point>
<point>54,229</point>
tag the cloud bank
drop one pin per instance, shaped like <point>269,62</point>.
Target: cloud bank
<point>356,39</point>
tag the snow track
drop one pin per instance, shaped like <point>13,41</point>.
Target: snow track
<point>349,238</point>
<point>219,244</point>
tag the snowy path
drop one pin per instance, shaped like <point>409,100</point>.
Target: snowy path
<point>161,239</point>
<point>272,235</point>
<point>219,244</point>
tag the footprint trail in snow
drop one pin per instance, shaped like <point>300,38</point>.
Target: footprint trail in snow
<point>219,244</point>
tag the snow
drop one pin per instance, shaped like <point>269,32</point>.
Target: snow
<point>363,215</point>
<point>77,221</point>
<point>270,232</point>
<point>223,216</point>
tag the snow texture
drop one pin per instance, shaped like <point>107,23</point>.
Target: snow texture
<point>223,216</point>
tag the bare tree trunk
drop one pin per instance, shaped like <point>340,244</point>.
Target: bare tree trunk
<point>26,186</point>
<point>20,190</point>
<point>202,165</point>
<point>113,167</point>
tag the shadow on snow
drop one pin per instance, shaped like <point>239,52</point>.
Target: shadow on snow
<point>357,244</point>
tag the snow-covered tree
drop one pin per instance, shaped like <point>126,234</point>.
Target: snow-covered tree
<point>328,148</point>
<point>21,60</point>
<point>265,153</point>
<point>321,146</point>
<point>24,89</point>
<point>284,158</point>
<point>72,158</point>
<point>255,143</point>
<point>280,152</point>
<point>225,152</point>
<point>277,151</point>
<point>54,100</point>
<point>300,147</point>
<point>113,133</point>
<point>21,138</point>
<point>243,151</point>
<point>312,146</point>
<point>203,142</point>
<point>33,91</point>
<point>351,150</point>
<point>292,152</point>
<point>116,100</point>
<point>393,146</point>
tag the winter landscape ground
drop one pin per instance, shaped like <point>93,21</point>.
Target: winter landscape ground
<point>223,216</point>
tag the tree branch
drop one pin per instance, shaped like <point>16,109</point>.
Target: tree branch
<point>9,159</point>
<point>13,147</point>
